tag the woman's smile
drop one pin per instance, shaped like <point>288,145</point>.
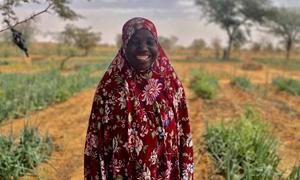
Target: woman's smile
<point>142,50</point>
<point>143,58</point>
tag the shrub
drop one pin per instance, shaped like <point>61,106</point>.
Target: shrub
<point>244,150</point>
<point>18,158</point>
<point>289,85</point>
<point>252,66</point>
<point>4,62</point>
<point>203,84</point>
<point>242,83</point>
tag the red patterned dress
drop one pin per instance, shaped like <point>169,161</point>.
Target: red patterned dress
<point>139,126</point>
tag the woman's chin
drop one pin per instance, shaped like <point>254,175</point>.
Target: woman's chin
<point>143,66</point>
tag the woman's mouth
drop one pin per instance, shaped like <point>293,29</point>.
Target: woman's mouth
<point>143,58</point>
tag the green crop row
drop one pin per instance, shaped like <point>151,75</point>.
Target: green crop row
<point>23,93</point>
<point>245,150</point>
<point>206,85</point>
<point>18,156</point>
<point>289,85</point>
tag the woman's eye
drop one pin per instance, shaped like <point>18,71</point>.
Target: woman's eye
<point>151,42</point>
<point>135,41</point>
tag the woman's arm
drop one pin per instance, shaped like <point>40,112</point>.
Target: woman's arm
<point>94,167</point>
<point>185,142</point>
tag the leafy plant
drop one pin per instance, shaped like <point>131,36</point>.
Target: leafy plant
<point>244,150</point>
<point>18,158</point>
<point>203,84</point>
<point>4,62</point>
<point>242,82</point>
<point>289,85</point>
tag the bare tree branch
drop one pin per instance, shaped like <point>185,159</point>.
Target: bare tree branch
<point>65,59</point>
<point>30,18</point>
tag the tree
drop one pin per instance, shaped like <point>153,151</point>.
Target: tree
<point>285,24</point>
<point>239,40</point>
<point>269,47</point>
<point>59,7</point>
<point>81,38</point>
<point>216,45</point>
<point>234,16</point>
<point>119,40</point>
<point>256,47</point>
<point>167,43</point>
<point>197,45</point>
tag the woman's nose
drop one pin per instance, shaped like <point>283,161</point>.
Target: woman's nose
<point>142,46</point>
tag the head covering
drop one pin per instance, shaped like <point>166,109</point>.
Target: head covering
<point>139,126</point>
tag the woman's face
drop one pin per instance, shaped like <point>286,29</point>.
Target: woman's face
<point>142,49</point>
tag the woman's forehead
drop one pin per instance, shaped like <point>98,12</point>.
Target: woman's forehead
<point>143,33</point>
<point>135,24</point>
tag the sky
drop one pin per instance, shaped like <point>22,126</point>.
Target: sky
<point>180,18</point>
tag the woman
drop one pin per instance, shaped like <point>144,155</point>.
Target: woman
<point>139,126</point>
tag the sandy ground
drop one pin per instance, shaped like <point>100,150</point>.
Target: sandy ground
<point>67,122</point>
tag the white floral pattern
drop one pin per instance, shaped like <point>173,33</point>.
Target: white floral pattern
<point>151,91</point>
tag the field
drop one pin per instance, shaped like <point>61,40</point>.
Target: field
<point>66,119</point>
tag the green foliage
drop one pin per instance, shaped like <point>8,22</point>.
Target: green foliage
<point>242,82</point>
<point>295,174</point>
<point>82,38</point>
<point>18,158</point>
<point>203,84</point>
<point>23,93</point>
<point>285,23</point>
<point>5,62</point>
<point>235,17</point>
<point>197,45</point>
<point>244,150</point>
<point>289,85</point>
<point>59,7</point>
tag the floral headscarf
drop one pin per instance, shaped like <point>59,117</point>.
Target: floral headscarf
<point>139,125</point>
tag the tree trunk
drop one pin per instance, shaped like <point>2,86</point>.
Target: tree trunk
<point>63,62</point>
<point>228,50</point>
<point>86,52</point>
<point>289,44</point>
<point>217,53</point>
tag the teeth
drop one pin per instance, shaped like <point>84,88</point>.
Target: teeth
<point>142,57</point>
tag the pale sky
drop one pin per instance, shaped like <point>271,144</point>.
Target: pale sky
<point>180,18</point>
